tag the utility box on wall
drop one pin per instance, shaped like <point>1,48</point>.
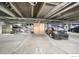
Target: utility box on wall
<point>39,28</point>
<point>1,23</point>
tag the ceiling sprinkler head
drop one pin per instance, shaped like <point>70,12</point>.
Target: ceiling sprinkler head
<point>33,3</point>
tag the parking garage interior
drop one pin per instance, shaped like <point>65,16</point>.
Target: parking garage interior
<point>39,27</point>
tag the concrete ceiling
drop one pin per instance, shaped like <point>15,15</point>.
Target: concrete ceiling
<point>44,10</point>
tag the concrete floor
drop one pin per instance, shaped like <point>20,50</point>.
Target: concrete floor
<point>38,44</point>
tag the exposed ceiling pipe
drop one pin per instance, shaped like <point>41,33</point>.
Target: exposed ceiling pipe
<point>5,10</point>
<point>57,8</point>
<point>72,6</point>
<point>15,9</point>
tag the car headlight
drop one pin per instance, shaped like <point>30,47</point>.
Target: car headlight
<point>56,32</point>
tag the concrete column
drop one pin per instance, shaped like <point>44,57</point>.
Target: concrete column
<point>39,28</point>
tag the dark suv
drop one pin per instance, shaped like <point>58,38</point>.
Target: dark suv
<point>61,34</point>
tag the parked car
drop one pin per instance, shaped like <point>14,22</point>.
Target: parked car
<point>61,34</point>
<point>76,29</point>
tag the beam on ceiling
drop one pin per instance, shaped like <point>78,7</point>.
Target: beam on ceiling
<point>72,6</point>
<point>5,10</point>
<point>77,17</point>
<point>15,9</point>
<point>57,8</point>
<point>32,11</point>
<point>39,12</point>
<point>53,3</point>
<point>68,14</point>
<point>32,6</point>
<point>20,18</point>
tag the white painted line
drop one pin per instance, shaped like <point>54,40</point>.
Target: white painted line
<point>20,45</point>
<point>36,50</point>
<point>41,50</point>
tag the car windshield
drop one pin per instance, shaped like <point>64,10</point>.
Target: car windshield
<point>61,32</point>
